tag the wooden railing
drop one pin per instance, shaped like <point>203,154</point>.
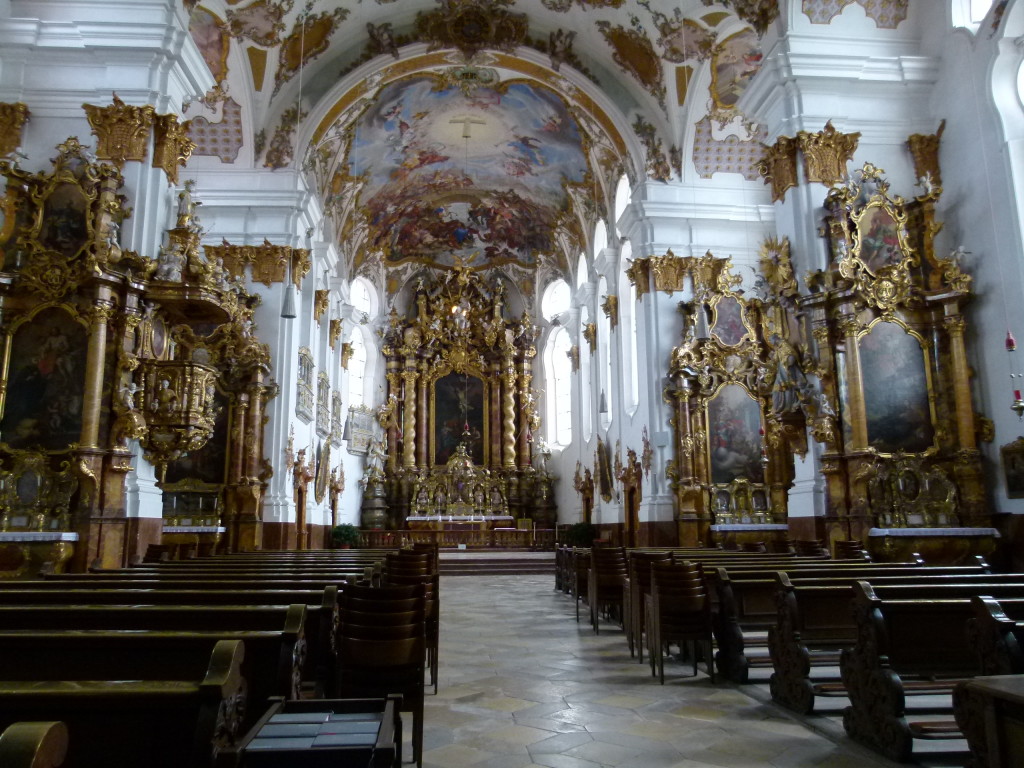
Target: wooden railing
<point>499,538</point>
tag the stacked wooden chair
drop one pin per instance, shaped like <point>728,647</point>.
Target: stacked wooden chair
<point>636,589</point>
<point>419,566</point>
<point>678,612</point>
<point>382,648</point>
<point>605,580</point>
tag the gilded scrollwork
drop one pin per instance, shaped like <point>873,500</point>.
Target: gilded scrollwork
<point>321,301</point>
<point>924,149</point>
<point>610,307</point>
<point>121,130</point>
<point>639,274</point>
<point>826,153</point>
<point>590,334</point>
<point>12,120</point>
<point>778,167</point>
<point>172,146</point>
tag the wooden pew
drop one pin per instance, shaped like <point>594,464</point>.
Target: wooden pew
<point>990,712</point>
<point>815,622</point>
<point>131,723</point>
<point>997,633</point>
<point>34,745</point>
<point>905,647</point>
<point>320,628</point>
<point>273,665</point>
<point>745,601</point>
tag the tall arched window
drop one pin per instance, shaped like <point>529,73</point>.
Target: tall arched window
<point>361,298</point>
<point>581,270</point>
<point>559,388</point>
<point>623,197</point>
<point>357,369</point>
<point>628,312</point>
<point>600,237</point>
<point>557,299</point>
<point>606,394</point>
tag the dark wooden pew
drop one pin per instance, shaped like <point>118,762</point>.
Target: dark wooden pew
<point>905,647</point>
<point>321,618</point>
<point>745,601</point>
<point>34,745</point>
<point>130,723</point>
<point>990,712</point>
<point>814,622</point>
<point>273,665</point>
<point>997,633</point>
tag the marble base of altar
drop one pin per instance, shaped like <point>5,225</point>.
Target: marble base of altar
<point>186,539</point>
<point>937,546</point>
<point>23,554</point>
<point>735,535</point>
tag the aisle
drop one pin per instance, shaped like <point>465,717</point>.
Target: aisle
<point>523,685</point>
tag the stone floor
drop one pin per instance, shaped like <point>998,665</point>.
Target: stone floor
<point>522,685</point>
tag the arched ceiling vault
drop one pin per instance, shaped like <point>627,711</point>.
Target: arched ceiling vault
<point>487,132</point>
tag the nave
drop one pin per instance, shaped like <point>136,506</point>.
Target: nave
<point>523,685</point>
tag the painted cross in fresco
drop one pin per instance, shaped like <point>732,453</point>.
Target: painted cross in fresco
<point>467,121</point>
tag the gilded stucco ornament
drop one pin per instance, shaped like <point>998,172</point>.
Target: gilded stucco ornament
<point>121,130</point>
<point>924,149</point>
<point>574,357</point>
<point>172,146</point>
<point>610,306</point>
<point>639,274</point>
<point>12,120</point>
<point>590,334</point>
<point>321,301</point>
<point>334,332</point>
<point>669,272</point>
<point>268,263</point>
<point>826,153</point>
<point>472,26</point>
<point>778,166</point>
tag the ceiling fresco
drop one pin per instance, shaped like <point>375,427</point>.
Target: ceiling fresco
<point>477,176</point>
<point>401,182</point>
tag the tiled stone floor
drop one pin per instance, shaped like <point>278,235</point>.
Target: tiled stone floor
<point>523,685</point>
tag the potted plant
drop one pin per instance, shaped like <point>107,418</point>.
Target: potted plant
<point>345,536</point>
<point>581,534</point>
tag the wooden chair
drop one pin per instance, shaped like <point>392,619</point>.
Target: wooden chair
<point>605,579</point>
<point>396,577</point>
<point>579,571</point>
<point>678,612</point>
<point>637,587</point>
<point>385,652</point>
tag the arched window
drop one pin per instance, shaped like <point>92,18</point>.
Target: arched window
<point>600,237</point>
<point>970,13</point>
<point>361,298</point>
<point>581,270</point>
<point>604,350</point>
<point>623,197</point>
<point>357,369</point>
<point>557,298</point>
<point>559,388</point>
<point>628,311</point>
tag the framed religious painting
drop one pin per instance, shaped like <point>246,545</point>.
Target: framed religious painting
<point>734,436</point>
<point>896,381</point>
<point>1012,455</point>
<point>45,378</point>
<point>457,417</point>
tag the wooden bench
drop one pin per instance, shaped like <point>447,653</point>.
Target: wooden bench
<point>273,664</point>
<point>997,633</point>
<point>815,622</point>
<point>131,723</point>
<point>990,712</point>
<point>34,745</point>
<point>745,602</point>
<point>905,647</point>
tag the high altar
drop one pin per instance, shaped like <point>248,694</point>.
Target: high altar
<point>460,413</point>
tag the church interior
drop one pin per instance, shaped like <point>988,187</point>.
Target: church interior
<point>514,275</point>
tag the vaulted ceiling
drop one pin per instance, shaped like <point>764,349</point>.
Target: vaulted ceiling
<point>491,132</point>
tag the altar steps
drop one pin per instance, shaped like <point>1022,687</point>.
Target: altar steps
<point>463,563</point>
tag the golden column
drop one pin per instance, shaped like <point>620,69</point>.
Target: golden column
<point>254,428</point>
<point>525,408</point>
<point>849,327</point>
<point>955,326</point>
<point>394,388</point>
<point>92,397</point>
<point>422,442</point>
<point>409,421</point>
<point>495,415</point>
<point>238,432</point>
<point>508,408</point>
